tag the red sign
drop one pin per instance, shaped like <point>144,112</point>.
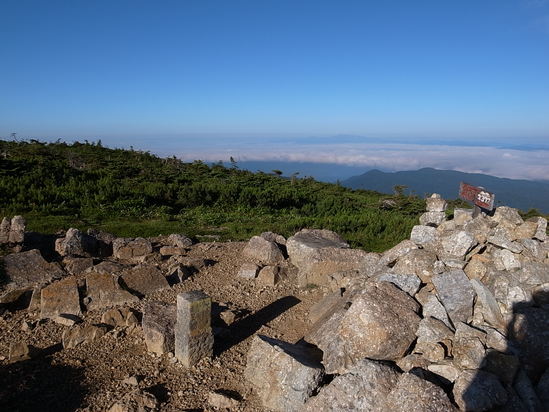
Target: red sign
<point>477,195</point>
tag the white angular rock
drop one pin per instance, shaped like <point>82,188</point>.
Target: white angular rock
<point>424,235</point>
<point>320,253</point>
<point>379,324</point>
<point>409,283</point>
<point>456,294</point>
<point>263,251</point>
<point>364,388</point>
<point>432,218</point>
<point>435,204</point>
<point>283,375</point>
<point>456,244</point>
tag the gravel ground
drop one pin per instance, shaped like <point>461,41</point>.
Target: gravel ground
<point>90,377</point>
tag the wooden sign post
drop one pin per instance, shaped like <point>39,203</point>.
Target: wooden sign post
<point>481,198</point>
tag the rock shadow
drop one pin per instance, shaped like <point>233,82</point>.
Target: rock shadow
<point>246,327</point>
<point>522,370</point>
<point>38,385</point>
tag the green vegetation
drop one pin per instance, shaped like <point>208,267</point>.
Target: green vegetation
<point>132,193</point>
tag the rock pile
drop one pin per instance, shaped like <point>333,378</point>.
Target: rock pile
<point>457,316</point>
<point>454,318</point>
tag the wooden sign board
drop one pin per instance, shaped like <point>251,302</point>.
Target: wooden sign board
<point>477,195</point>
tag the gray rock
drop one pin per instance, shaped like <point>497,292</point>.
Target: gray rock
<point>433,336</point>
<point>158,326</point>
<point>17,230</point>
<point>20,351</point>
<point>325,306</point>
<point>496,340</point>
<point>432,218</point>
<point>269,276</point>
<point>456,244</point>
<point>434,204</point>
<point>462,216</point>
<point>60,302</point>
<point>424,235</point>
<point>5,230</point>
<point>501,238</point>
<point>486,303</point>
<point>263,251</point>
<point>179,240</point>
<point>274,237</point>
<point>477,267</point>
<point>319,253</point>
<point>128,249</point>
<point>221,401</point>
<point>456,294</point>
<point>77,265</point>
<point>446,371</point>
<point>506,260</point>
<point>248,271</point>
<point>408,283</point>
<point>119,317</point>
<point>390,256</point>
<point>533,273</point>
<point>468,348</point>
<point>419,262</point>
<point>541,230</point>
<point>82,334</point>
<point>413,394</point>
<point>505,214</point>
<point>171,251</point>
<point>107,267</point>
<point>364,388</point>
<point>533,250</point>
<point>526,230</point>
<point>479,227</point>
<point>76,243</point>
<point>379,324</point>
<point>433,308</point>
<point>283,375</point>
<point>504,366</point>
<point>104,291</point>
<point>144,279</point>
<point>478,391</point>
<point>26,269</point>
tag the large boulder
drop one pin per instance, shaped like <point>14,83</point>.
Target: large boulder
<point>319,253</point>
<point>380,324</point>
<point>25,270</point>
<point>60,302</point>
<point>76,243</point>
<point>103,290</point>
<point>283,375</point>
<point>413,394</point>
<point>456,294</point>
<point>123,248</point>
<point>144,279</point>
<point>263,251</point>
<point>364,388</point>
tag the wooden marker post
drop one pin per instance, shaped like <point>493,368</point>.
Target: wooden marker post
<point>481,198</point>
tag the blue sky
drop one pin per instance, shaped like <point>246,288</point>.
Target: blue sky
<point>184,77</point>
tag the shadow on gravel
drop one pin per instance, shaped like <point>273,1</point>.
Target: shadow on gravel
<point>37,385</point>
<point>246,327</point>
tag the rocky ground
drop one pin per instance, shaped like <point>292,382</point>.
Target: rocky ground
<point>454,318</point>
<point>92,377</point>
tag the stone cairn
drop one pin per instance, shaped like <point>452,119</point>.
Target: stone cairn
<point>454,318</point>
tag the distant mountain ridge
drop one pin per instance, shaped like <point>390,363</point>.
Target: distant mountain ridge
<point>521,194</point>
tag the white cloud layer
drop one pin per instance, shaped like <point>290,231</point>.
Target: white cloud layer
<point>501,162</point>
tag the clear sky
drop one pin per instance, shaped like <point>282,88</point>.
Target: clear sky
<point>180,75</point>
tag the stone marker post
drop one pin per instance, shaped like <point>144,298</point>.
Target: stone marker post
<point>193,334</point>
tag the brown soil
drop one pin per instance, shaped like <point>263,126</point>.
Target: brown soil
<point>90,377</point>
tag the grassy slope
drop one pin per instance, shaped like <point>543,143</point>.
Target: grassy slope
<point>130,193</point>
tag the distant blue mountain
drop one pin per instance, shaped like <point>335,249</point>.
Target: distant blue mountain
<point>520,194</point>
